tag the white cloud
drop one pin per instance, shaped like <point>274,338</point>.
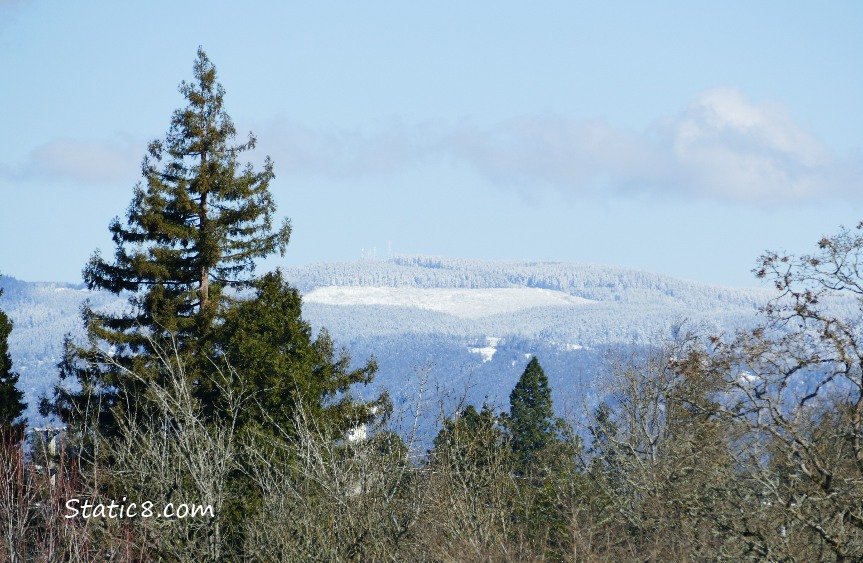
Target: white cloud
<point>725,147</point>
<point>587,157</point>
<point>110,161</point>
<point>722,147</point>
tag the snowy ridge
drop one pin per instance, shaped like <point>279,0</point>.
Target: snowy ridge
<point>580,305</point>
<point>478,322</point>
<point>475,321</point>
<point>589,281</point>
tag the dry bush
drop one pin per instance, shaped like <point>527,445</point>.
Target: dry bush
<point>663,483</point>
<point>175,454</point>
<point>471,493</point>
<point>325,500</point>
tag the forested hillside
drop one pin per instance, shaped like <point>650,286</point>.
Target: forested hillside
<point>623,307</point>
<point>591,281</point>
<point>626,308</point>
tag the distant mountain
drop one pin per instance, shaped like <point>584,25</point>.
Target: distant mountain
<point>589,303</point>
<point>475,323</point>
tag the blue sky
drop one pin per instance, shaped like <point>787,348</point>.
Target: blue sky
<point>676,137</point>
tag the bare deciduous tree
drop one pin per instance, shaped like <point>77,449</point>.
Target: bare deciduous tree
<point>796,385</point>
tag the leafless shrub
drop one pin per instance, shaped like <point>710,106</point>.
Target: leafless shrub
<point>175,454</point>
<point>660,465</point>
<point>326,500</point>
<point>796,393</point>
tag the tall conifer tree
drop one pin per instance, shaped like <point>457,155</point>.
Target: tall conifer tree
<point>531,421</point>
<point>198,223</point>
<point>194,228</point>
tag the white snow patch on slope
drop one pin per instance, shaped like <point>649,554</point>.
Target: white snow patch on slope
<point>464,303</point>
<point>486,353</point>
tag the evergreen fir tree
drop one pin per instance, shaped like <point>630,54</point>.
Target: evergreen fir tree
<point>193,229</point>
<point>266,341</point>
<point>545,449</point>
<point>469,441</point>
<point>531,420</point>
<point>11,403</point>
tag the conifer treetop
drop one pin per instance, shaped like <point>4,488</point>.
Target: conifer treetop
<point>199,220</point>
<point>531,416</point>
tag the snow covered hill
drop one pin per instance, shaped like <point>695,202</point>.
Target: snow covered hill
<point>571,304</point>
<point>473,323</point>
<point>42,314</point>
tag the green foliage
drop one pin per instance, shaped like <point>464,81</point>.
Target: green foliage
<point>545,449</point>
<point>200,221</point>
<point>531,421</point>
<point>472,440</point>
<point>269,345</point>
<point>509,478</point>
<point>11,403</point>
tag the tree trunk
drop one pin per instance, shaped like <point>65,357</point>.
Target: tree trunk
<point>205,268</point>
